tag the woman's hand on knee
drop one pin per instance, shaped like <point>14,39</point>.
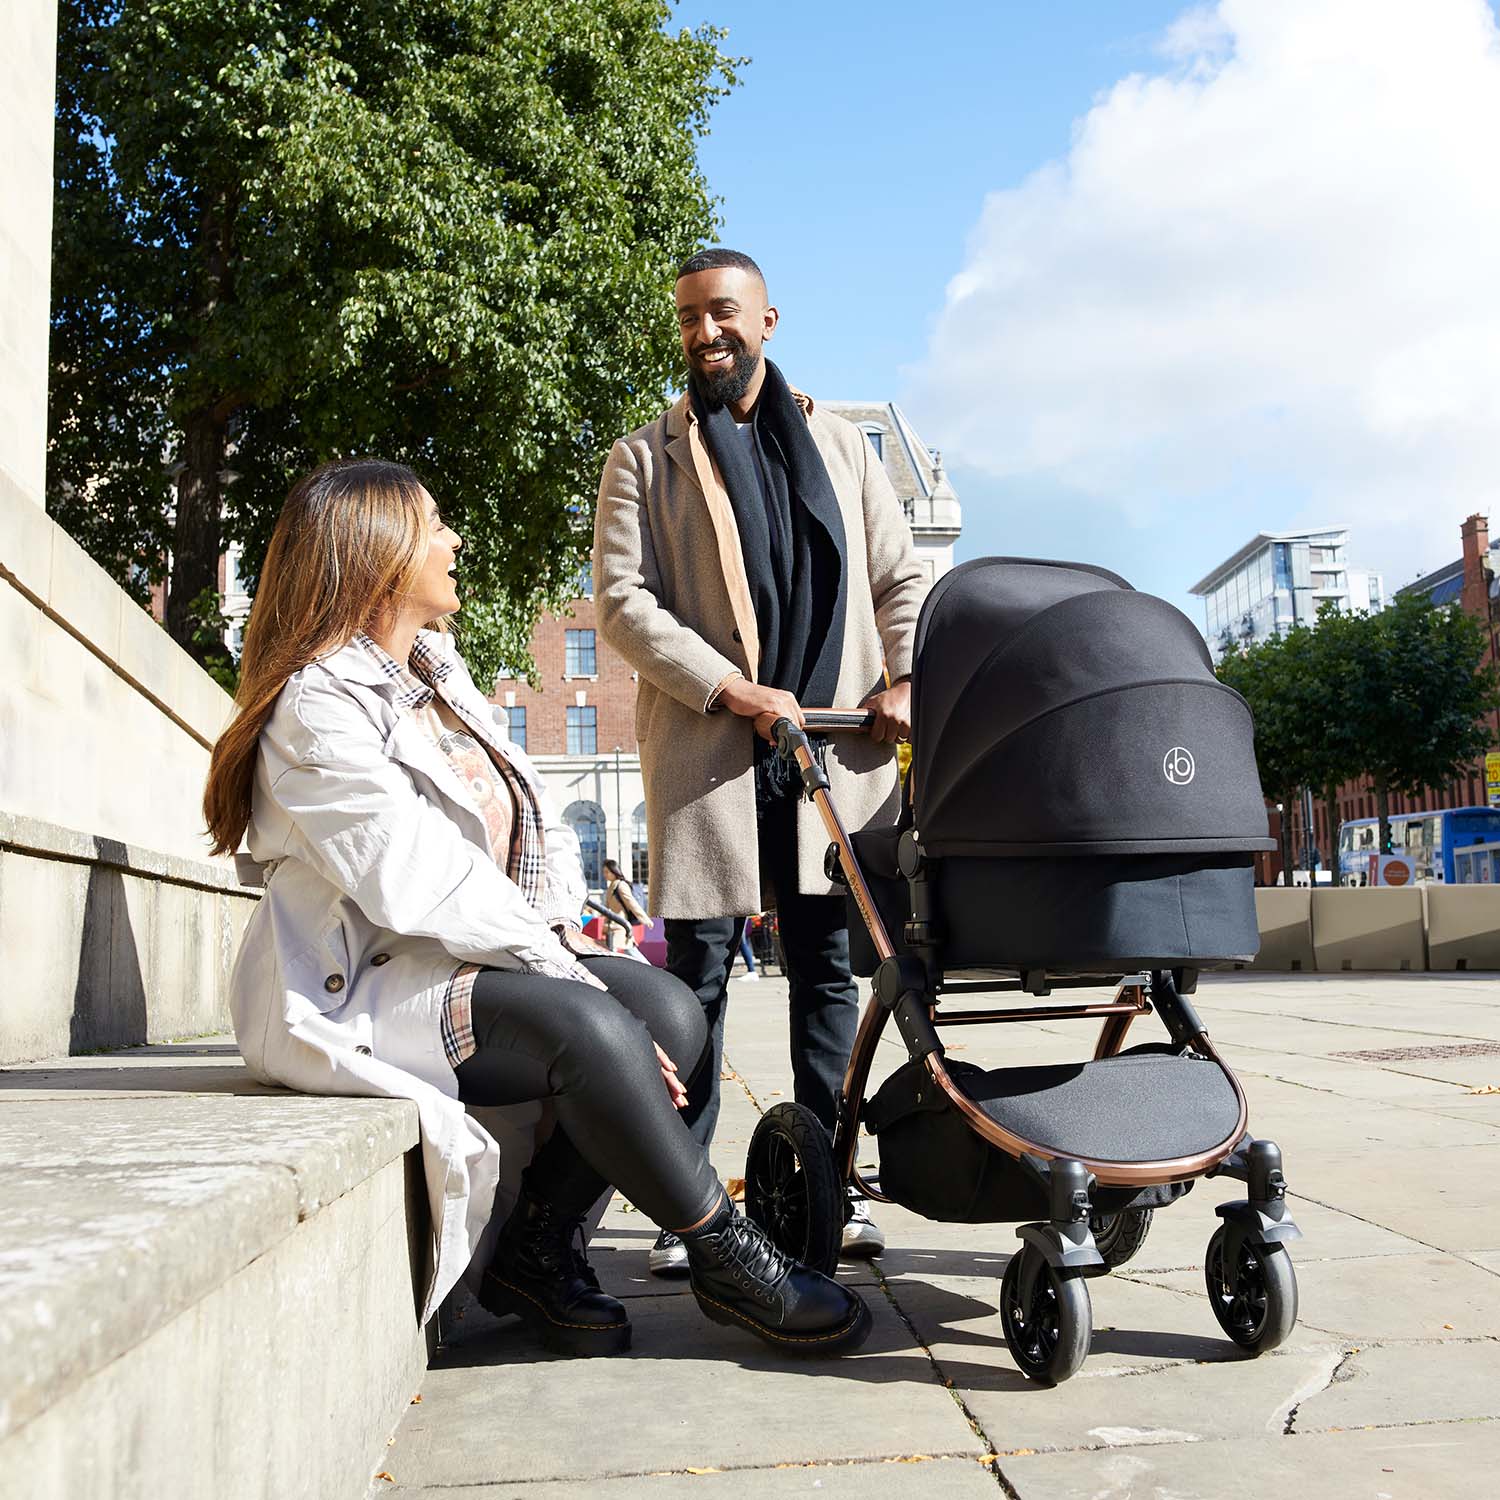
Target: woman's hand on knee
<point>675,1090</point>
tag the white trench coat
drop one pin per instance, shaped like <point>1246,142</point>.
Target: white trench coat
<point>379,882</point>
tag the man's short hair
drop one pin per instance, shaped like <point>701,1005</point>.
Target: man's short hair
<point>715,258</point>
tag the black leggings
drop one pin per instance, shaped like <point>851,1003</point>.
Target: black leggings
<point>590,1053</point>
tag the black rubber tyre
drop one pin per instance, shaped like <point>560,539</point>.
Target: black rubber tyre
<point>792,1187</point>
<point>1258,1307</point>
<point>1050,1339</point>
<point>1120,1235</point>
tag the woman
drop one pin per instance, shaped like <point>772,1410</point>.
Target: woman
<point>417,938</point>
<point>620,897</point>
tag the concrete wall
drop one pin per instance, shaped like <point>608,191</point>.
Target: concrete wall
<point>1328,931</point>
<point>105,723</point>
<point>115,926</point>
<point>208,1288</point>
<point>110,945</point>
<point>26,73</point>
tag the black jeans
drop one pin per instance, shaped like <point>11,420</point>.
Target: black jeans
<point>590,1053</point>
<point>824,998</point>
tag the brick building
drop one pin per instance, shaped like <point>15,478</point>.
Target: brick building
<point>578,723</point>
<point>1469,583</point>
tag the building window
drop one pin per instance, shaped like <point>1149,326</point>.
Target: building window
<point>583,729</point>
<point>640,855</point>
<point>580,659</point>
<point>877,442</point>
<point>583,587</point>
<point>586,819</point>
<point>516,719</point>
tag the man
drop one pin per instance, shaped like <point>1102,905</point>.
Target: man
<point>750,557</point>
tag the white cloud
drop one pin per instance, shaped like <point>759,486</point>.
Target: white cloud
<point>1271,271</point>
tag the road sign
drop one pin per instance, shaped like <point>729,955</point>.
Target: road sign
<point>1392,869</point>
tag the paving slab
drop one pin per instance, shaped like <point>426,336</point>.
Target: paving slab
<point>1409,1463</point>
<point>1439,1198</point>
<point>931,1478</point>
<point>690,1394</point>
<point>1395,1386</point>
<point>1421,1296</point>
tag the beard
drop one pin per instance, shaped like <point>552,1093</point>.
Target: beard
<point>730,382</point>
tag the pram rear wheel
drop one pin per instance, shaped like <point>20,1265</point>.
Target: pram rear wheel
<point>792,1187</point>
<point>1256,1300</point>
<point>1119,1236</point>
<point>1049,1337</point>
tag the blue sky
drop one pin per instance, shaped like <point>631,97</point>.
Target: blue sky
<point>855,162</point>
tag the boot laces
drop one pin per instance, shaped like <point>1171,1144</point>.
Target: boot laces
<point>753,1257</point>
<point>557,1242</point>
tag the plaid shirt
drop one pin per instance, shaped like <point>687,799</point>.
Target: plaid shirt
<point>417,684</point>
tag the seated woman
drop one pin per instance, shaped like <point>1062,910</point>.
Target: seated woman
<point>417,938</point>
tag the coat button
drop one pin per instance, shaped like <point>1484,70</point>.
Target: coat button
<point>738,637</point>
<point>363,1050</point>
<point>378,959</point>
<point>334,983</point>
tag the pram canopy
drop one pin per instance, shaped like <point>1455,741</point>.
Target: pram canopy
<point>1058,712</point>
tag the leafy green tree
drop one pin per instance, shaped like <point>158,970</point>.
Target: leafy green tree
<point>443,231</point>
<point>1293,684</point>
<point>1415,692</point>
<point>1261,675</point>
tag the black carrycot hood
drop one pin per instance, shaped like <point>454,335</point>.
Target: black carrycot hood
<point>1057,711</point>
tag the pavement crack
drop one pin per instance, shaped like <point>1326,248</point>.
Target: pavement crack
<point>991,1456</point>
<point>1285,1415</point>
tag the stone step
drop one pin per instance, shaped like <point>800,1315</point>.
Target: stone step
<point>207,1286</point>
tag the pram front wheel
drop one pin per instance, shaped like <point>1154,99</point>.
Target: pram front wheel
<point>1256,1300</point>
<point>792,1187</point>
<point>1119,1236</point>
<point>1049,1336</point>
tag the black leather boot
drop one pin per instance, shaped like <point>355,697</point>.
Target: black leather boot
<point>540,1272</point>
<point>740,1277</point>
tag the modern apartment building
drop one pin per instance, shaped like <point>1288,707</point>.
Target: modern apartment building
<point>1279,579</point>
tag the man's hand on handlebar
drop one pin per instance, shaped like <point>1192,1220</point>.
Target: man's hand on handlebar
<point>892,709</point>
<point>765,705</point>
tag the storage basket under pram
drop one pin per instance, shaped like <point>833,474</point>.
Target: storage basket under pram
<point>1082,809</point>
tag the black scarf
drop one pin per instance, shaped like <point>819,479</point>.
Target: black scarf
<point>793,540</point>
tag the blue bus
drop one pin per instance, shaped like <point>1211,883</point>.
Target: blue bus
<point>1428,839</point>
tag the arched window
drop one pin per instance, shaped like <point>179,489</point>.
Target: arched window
<point>876,434</point>
<point>586,819</point>
<point>640,855</point>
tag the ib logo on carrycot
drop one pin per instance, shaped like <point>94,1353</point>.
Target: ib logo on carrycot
<point>1178,767</point>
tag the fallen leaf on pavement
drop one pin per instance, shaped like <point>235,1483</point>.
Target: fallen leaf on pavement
<point>389,1478</point>
<point>417,1399</point>
<point>736,1189</point>
<point>1488,1088</point>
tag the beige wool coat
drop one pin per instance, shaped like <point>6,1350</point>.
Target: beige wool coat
<point>672,597</point>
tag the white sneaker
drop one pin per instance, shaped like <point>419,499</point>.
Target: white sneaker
<point>862,1236</point>
<point>668,1256</point>
<point>747,976</point>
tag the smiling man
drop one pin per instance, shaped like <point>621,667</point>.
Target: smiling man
<point>751,557</point>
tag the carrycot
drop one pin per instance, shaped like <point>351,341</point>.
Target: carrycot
<point>1083,787</point>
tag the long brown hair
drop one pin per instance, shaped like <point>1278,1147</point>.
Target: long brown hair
<point>346,548</point>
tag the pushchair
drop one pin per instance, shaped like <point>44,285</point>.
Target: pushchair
<point>1082,811</point>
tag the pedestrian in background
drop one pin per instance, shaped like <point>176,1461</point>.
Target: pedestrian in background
<point>620,898</point>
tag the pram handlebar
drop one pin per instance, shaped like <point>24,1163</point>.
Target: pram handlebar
<point>827,720</point>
